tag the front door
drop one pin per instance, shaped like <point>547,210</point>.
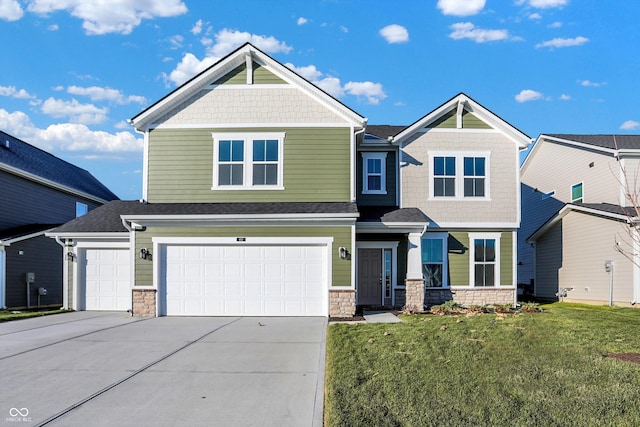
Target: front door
<point>370,277</point>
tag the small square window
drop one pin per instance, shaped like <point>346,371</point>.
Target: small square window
<point>576,193</point>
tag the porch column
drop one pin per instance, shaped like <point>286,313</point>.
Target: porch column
<point>414,283</point>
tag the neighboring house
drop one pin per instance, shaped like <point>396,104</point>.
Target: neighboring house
<point>263,195</point>
<point>575,213</point>
<point>38,192</point>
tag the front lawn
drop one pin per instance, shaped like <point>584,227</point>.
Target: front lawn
<point>539,369</point>
<point>6,315</point>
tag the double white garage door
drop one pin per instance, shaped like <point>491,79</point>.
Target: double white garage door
<point>233,280</point>
<point>217,280</point>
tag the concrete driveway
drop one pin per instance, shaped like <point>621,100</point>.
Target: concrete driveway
<point>97,368</point>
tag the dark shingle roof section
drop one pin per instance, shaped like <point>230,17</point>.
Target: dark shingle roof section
<point>610,208</point>
<point>106,218</point>
<point>26,157</point>
<point>25,230</point>
<point>384,131</point>
<point>390,214</point>
<point>613,142</point>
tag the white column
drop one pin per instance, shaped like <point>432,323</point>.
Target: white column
<point>414,257</point>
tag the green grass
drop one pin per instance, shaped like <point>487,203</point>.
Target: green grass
<point>6,316</point>
<point>538,369</point>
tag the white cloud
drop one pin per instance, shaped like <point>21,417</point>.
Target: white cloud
<point>15,93</point>
<point>589,83</point>
<point>67,136</point>
<point>302,20</point>
<point>556,24</point>
<point>395,34</point>
<point>544,4</point>
<point>373,92</point>
<point>176,41</point>
<point>74,111</point>
<point>10,10</point>
<point>466,30</point>
<point>527,95</point>
<point>225,41</point>
<point>331,85</point>
<point>560,42</point>
<point>310,72</point>
<point>461,7</point>
<point>96,93</point>
<point>630,125</point>
<point>197,28</point>
<point>565,97</point>
<point>103,17</point>
<point>53,27</point>
<point>535,16</point>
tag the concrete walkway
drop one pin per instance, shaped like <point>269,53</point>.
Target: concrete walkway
<point>104,369</point>
<point>380,317</point>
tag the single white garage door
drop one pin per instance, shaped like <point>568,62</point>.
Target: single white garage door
<point>232,280</point>
<point>107,279</point>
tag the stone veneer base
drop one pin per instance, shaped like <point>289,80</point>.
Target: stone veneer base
<point>342,303</point>
<point>467,297</point>
<point>414,295</point>
<point>144,302</point>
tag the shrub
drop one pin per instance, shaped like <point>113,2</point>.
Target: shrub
<point>502,308</point>
<point>448,307</point>
<point>530,307</point>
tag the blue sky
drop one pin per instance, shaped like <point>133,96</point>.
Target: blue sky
<point>74,71</point>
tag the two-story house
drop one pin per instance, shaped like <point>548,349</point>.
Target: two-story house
<point>575,215</point>
<point>263,195</point>
<point>38,191</point>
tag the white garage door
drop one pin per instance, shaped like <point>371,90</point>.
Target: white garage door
<point>219,280</point>
<point>106,278</point>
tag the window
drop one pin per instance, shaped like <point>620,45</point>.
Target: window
<point>434,259</point>
<point>485,257</point>
<point>459,175</point>
<point>387,259</point>
<point>81,209</point>
<point>374,173</point>
<point>576,193</point>
<point>474,176</point>
<point>444,176</point>
<point>251,161</point>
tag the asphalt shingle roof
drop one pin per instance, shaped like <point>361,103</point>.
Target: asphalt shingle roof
<point>629,142</point>
<point>389,214</point>
<point>106,218</point>
<point>26,157</point>
<point>25,230</point>
<point>384,131</point>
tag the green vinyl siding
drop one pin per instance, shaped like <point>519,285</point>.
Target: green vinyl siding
<point>458,258</point>
<point>469,121</point>
<point>316,167</point>
<point>238,76</point>
<point>340,268</point>
<point>388,199</point>
<point>506,258</point>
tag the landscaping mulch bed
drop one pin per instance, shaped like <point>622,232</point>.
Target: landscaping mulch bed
<point>626,357</point>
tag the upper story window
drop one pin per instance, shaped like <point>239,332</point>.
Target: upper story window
<point>459,175</point>
<point>81,209</point>
<point>374,173</point>
<point>248,161</point>
<point>576,193</point>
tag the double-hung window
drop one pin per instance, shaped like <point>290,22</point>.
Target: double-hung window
<point>485,259</point>
<point>248,161</point>
<point>459,175</point>
<point>374,173</point>
<point>434,259</point>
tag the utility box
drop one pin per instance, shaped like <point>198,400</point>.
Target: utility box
<point>42,291</point>
<point>31,278</point>
<point>608,266</point>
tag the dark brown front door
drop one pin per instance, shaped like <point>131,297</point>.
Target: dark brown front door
<point>369,277</point>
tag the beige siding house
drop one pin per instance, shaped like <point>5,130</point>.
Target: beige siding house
<point>575,215</point>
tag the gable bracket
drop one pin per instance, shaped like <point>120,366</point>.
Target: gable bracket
<point>249,62</point>
<point>459,113</point>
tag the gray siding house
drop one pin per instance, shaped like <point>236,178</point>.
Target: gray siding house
<point>575,214</point>
<point>38,192</point>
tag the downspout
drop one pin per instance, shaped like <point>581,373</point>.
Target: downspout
<point>132,256</point>
<point>65,275</point>
<point>354,160</point>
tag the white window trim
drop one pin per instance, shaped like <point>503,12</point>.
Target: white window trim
<point>581,184</point>
<point>445,258</point>
<point>247,178</point>
<point>383,173</point>
<point>459,188</point>
<point>472,253</point>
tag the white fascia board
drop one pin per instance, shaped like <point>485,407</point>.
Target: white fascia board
<point>248,125</point>
<point>9,242</point>
<point>396,227</point>
<point>248,220</point>
<point>91,236</point>
<point>49,183</point>
<point>476,225</point>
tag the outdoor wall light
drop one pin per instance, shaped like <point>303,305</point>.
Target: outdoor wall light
<point>144,253</point>
<point>344,253</point>
<point>70,256</point>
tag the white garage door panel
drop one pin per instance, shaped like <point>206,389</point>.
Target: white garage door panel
<point>106,279</point>
<point>245,280</point>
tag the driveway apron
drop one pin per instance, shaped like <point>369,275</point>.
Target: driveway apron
<point>93,368</point>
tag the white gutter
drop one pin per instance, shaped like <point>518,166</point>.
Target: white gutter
<point>65,275</point>
<point>354,136</point>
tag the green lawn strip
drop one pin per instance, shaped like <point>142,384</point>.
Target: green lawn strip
<point>6,316</point>
<point>527,369</point>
